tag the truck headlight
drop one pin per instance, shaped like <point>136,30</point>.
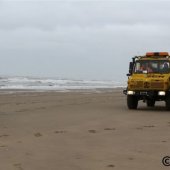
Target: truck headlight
<point>161,93</point>
<point>130,92</point>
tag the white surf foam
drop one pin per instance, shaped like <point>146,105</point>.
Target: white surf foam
<point>31,83</point>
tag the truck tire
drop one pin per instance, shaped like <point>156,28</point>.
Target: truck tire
<point>132,102</point>
<point>150,103</point>
<point>167,102</point>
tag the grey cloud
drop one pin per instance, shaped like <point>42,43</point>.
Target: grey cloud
<point>53,14</point>
<point>79,39</point>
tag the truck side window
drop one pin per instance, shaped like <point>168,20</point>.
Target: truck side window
<point>165,67</point>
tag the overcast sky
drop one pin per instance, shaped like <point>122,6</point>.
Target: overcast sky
<point>80,39</point>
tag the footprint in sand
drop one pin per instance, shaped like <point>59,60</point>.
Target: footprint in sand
<point>92,131</point>
<point>28,154</point>
<point>3,146</point>
<point>78,156</point>
<point>146,126</point>
<point>109,128</point>
<point>18,166</point>
<point>139,128</point>
<point>60,131</point>
<point>38,134</point>
<point>4,135</point>
<point>111,166</point>
<point>131,158</point>
<point>164,141</point>
<point>149,126</point>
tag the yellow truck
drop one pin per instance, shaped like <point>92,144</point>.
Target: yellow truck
<point>149,80</point>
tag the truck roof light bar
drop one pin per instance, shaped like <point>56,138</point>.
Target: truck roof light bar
<point>161,54</point>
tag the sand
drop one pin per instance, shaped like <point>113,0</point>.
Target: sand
<point>81,131</point>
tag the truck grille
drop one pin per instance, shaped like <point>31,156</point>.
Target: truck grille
<point>137,85</point>
<point>147,85</point>
<point>157,84</point>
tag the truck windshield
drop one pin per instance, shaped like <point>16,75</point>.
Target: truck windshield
<point>152,66</point>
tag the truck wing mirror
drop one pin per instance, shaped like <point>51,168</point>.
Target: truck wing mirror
<point>131,64</point>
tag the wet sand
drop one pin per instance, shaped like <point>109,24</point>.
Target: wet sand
<point>81,131</point>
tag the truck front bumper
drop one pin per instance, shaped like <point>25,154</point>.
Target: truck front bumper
<point>158,95</point>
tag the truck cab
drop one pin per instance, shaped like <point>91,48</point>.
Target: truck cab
<point>149,80</point>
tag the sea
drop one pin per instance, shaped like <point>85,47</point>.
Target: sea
<point>21,83</point>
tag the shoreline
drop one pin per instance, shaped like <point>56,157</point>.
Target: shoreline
<point>95,90</point>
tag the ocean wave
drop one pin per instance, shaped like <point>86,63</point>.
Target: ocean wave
<point>31,83</point>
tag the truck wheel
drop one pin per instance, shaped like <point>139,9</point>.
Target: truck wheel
<point>167,102</point>
<point>132,102</point>
<point>150,103</point>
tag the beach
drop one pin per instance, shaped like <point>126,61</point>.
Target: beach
<point>81,130</point>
